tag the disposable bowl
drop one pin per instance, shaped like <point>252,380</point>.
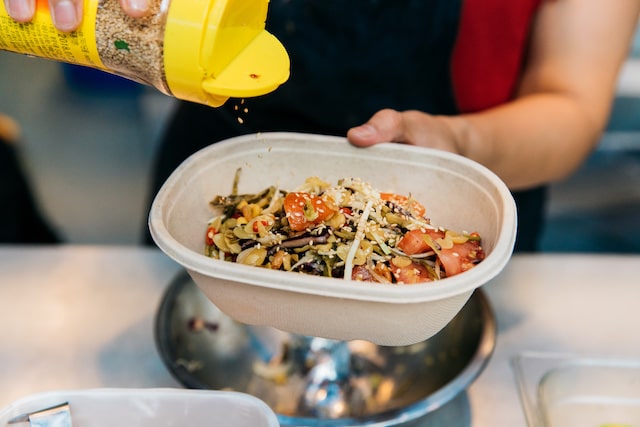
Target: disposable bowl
<point>153,407</point>
<point>458,193</point>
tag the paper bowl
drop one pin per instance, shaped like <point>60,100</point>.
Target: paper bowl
<point>153,407</point>
<point>458,193</point>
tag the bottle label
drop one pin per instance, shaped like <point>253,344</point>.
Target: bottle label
<point>40,37</point>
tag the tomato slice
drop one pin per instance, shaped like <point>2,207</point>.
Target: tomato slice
<point>413,243</point>
<point>461,257</point>
<point>411,205</point>
<point>304,210</point>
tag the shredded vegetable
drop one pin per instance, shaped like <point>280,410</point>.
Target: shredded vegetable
<point>348,230</point>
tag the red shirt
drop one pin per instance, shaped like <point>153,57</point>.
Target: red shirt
<point>489,52</point>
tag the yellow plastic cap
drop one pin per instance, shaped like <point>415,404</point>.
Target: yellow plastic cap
<point>217,49</point>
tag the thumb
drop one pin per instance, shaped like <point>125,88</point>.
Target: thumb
<point>384,126</point>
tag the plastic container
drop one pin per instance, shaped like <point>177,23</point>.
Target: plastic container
<point>150,408</point>
<point>571,390</point>
<point>203,51</point>
<point>457,192</point>
<point>591,392</point>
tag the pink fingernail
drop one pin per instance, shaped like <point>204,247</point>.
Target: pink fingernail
<point>20,10</point>
<point>64,16</point>
<point>137,8</point>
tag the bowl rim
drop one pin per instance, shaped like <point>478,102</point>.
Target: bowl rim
<point>152,396</point>
<point>193,261</point>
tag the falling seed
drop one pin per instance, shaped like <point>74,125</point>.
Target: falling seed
<point>240,120</point>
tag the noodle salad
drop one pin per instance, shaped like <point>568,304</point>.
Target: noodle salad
<point>348,230</point>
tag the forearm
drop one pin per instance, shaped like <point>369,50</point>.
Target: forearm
<point>564,98</point>
<point>561,107</point>
<point>536,139</point>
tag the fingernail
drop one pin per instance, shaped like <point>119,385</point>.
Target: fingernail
<point>136,8</point>
<point>20,10</point>
<point>64,16</point>
<point>364,131</point>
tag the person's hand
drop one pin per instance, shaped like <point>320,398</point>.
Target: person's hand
<point>408,127</point>
<point>67,14</point>
<point>9,129</point>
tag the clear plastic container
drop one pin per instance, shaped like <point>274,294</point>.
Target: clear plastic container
<point>570,390</point>
<point>149,408</point>
<point>591,392</point>
<point>201,51</point>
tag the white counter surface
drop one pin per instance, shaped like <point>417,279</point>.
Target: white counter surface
<point>629,79</point>
<point>82,317</point>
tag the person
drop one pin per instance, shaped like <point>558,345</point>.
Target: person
<point>522,87</point>
<point>21,219</point>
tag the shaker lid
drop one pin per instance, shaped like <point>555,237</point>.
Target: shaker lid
<point>219,49</point>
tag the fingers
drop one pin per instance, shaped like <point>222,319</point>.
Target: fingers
<point>66,14</point>
<point>384,126</point>
<point>21,10</point>
<point>135,8</point>
<point>409,127</point>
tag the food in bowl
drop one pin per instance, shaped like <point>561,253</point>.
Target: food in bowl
<point>348,230</point>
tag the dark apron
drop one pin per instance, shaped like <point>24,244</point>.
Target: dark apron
<point>349,59</point>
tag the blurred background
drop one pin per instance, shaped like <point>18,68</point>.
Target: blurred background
<point>88,140</point>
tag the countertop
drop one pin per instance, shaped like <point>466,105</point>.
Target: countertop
<point>74,317</point>
<point>628,81</point>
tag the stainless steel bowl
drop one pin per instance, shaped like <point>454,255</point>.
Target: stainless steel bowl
<point>314,381</point>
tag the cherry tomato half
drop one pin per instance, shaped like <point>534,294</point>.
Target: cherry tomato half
<point>305,210</point>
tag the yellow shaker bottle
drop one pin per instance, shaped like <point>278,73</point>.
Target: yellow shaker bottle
<point>203,51</point>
